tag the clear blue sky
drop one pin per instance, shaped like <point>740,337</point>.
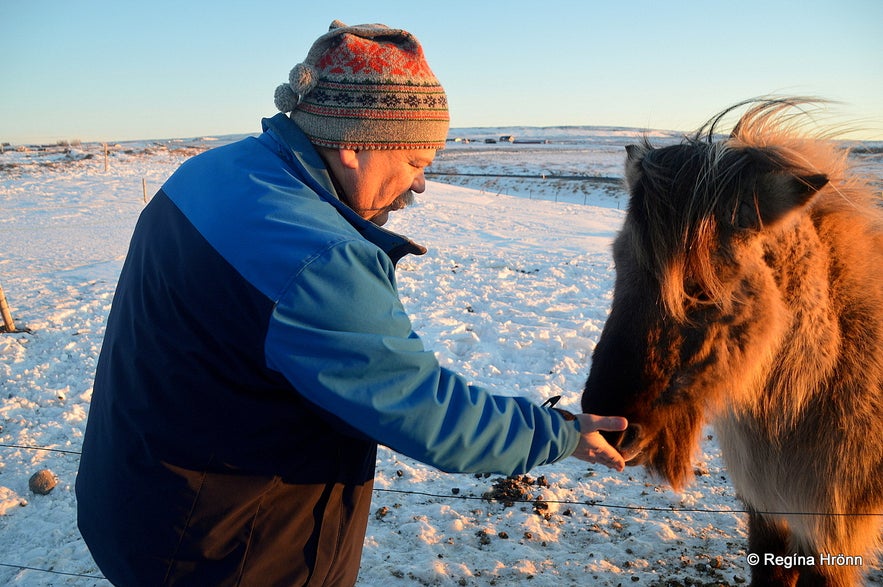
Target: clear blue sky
<point>118,70</point>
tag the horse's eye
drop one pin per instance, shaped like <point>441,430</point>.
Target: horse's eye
<point>695,293</point>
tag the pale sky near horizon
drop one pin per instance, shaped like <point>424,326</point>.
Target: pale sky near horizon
<point>100,70</point>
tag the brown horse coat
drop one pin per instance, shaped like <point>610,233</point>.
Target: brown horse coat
<point>749,293</point>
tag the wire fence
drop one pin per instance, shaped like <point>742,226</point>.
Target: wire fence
<point>588,503</point>
<point>52,572</point>
<point>564,188</point>
<point>602,179</point>
<point>463,497</point>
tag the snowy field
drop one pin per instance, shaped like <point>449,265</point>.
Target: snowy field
<point>513,294</point>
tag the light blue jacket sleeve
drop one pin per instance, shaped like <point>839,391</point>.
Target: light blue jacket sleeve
<point>341,336</point>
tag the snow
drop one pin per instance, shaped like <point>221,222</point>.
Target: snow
<point>512,294</point>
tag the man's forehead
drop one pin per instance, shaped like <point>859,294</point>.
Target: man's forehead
<point>419,157</point>
<point>423,156</point>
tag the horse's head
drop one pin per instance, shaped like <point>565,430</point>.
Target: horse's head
<point>697,309</point>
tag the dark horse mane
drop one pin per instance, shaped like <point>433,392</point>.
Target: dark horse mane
<point>686,221</point>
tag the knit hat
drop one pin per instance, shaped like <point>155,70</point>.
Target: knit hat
<point>366,87</point>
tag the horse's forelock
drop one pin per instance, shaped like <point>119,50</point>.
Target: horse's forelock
<point>679,227</point>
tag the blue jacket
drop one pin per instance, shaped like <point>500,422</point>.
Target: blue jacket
<point>256,340</point>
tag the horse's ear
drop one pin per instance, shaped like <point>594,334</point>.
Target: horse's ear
<point>812,183</point>
<point>635,154</point>
<point>776,195</point>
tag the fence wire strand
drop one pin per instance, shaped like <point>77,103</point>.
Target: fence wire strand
<point>53,572</point>
<point>589,503</point>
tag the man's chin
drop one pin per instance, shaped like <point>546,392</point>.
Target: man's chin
<point>381,218</point>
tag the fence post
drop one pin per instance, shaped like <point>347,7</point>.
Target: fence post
<point>7,315</point>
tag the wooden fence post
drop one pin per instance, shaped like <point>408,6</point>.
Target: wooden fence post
<point>7,315</point>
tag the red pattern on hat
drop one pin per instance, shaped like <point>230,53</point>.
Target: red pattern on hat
<point>356,56</point>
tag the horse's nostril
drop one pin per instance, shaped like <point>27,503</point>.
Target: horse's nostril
<point>630,437</point>
<point>614,438</point>
<point>624,439</point>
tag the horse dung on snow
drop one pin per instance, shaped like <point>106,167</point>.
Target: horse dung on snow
<point>749,293</point>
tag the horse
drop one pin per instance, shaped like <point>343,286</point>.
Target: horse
<point>748,294</point>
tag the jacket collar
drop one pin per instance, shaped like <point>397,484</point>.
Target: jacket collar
<point>295,148</point>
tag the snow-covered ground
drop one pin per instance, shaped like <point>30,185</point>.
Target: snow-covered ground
<point>513,294</point>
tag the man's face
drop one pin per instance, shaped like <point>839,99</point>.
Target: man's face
<point>379,181</point>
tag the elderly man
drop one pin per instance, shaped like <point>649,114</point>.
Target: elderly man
<point>257,351</point>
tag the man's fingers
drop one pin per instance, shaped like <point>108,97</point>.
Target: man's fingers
<point>592,446</point>
<point>594,449</point>
<point>591,423</point>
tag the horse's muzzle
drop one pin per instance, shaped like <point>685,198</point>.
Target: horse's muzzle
<point>628,442</point>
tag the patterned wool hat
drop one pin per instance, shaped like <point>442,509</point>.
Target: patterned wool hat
<point>366,87</point>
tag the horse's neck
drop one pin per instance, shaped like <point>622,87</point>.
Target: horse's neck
<point>806,353</point>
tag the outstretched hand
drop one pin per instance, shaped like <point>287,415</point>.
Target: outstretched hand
<point>592,447</point>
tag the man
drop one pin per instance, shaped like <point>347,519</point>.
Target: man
<point>257,351</point>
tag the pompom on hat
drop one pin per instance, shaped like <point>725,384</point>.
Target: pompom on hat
<point>366,87</point>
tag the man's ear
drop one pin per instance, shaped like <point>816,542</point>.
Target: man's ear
<point>348,158</point>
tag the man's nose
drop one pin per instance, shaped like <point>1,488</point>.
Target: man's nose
<point>419,184</point>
